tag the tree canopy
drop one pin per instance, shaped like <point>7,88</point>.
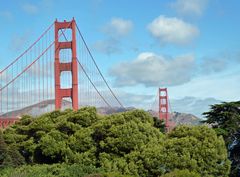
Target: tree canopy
<point>181,173</point>
<point>198,149</point>
<point>9,155</point>
<point>225,120</point>
<point>128,143</point>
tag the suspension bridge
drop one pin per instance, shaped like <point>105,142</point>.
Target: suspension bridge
<point>57,71</point>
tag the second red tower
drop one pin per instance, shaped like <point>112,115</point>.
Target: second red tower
<point>163,106</point>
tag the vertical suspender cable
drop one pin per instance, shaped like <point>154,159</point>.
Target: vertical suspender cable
<point>97,67</point>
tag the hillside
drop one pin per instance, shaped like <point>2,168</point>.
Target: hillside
<point>193,105</point>
<point>47,106</point>
<point>180,118</point>
<point>184,118</point>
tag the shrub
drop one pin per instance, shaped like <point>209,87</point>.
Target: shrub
<point>181,173</point>
<point>197,148</point>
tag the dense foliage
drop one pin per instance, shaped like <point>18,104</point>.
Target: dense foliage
<point>54,170</point>
<point>129,143</point>
<point>197,149</point>
<point>9,155</point>
<point>225,120</point>
<point>181,173</point>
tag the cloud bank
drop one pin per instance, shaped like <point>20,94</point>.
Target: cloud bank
<point>171,30</point>
<point>152,70</point>
<point>114,31</point>
<point>190,7</point>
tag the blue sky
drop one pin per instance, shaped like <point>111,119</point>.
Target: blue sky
<point>190,46</point>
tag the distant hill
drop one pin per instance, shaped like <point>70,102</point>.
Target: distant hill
<point>184,118</point>
<point>181,118</point>
<point>48,105</point>
<point>37,109</point>
<point>193,105</point>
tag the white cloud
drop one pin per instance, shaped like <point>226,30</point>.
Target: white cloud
<point>190,7</point>
<point>118,27</point>
<point>30,8</point>
<point>114,30</point>
<point>153,70</point>
<point>172,30</point>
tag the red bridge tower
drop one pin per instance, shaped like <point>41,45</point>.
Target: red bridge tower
<point>163,106</point>
<point>70,66</point>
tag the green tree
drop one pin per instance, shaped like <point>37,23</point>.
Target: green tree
<point>124,141</point>
<point>181,173</point>
<point>53,170</point>
<point>197,148</point>
<point>159,124</point>
<point>51,138</point>
<point>225,119</point>
<point>4,157</point>
<point>9,155</point>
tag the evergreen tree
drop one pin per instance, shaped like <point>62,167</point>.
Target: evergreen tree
<point>181,173</point>
<point>9,155</point>
<point>5,159</point>
<point>225,119</point>
<point>196,148</point>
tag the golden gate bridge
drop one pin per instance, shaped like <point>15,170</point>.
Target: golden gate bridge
<point>58,68</point>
